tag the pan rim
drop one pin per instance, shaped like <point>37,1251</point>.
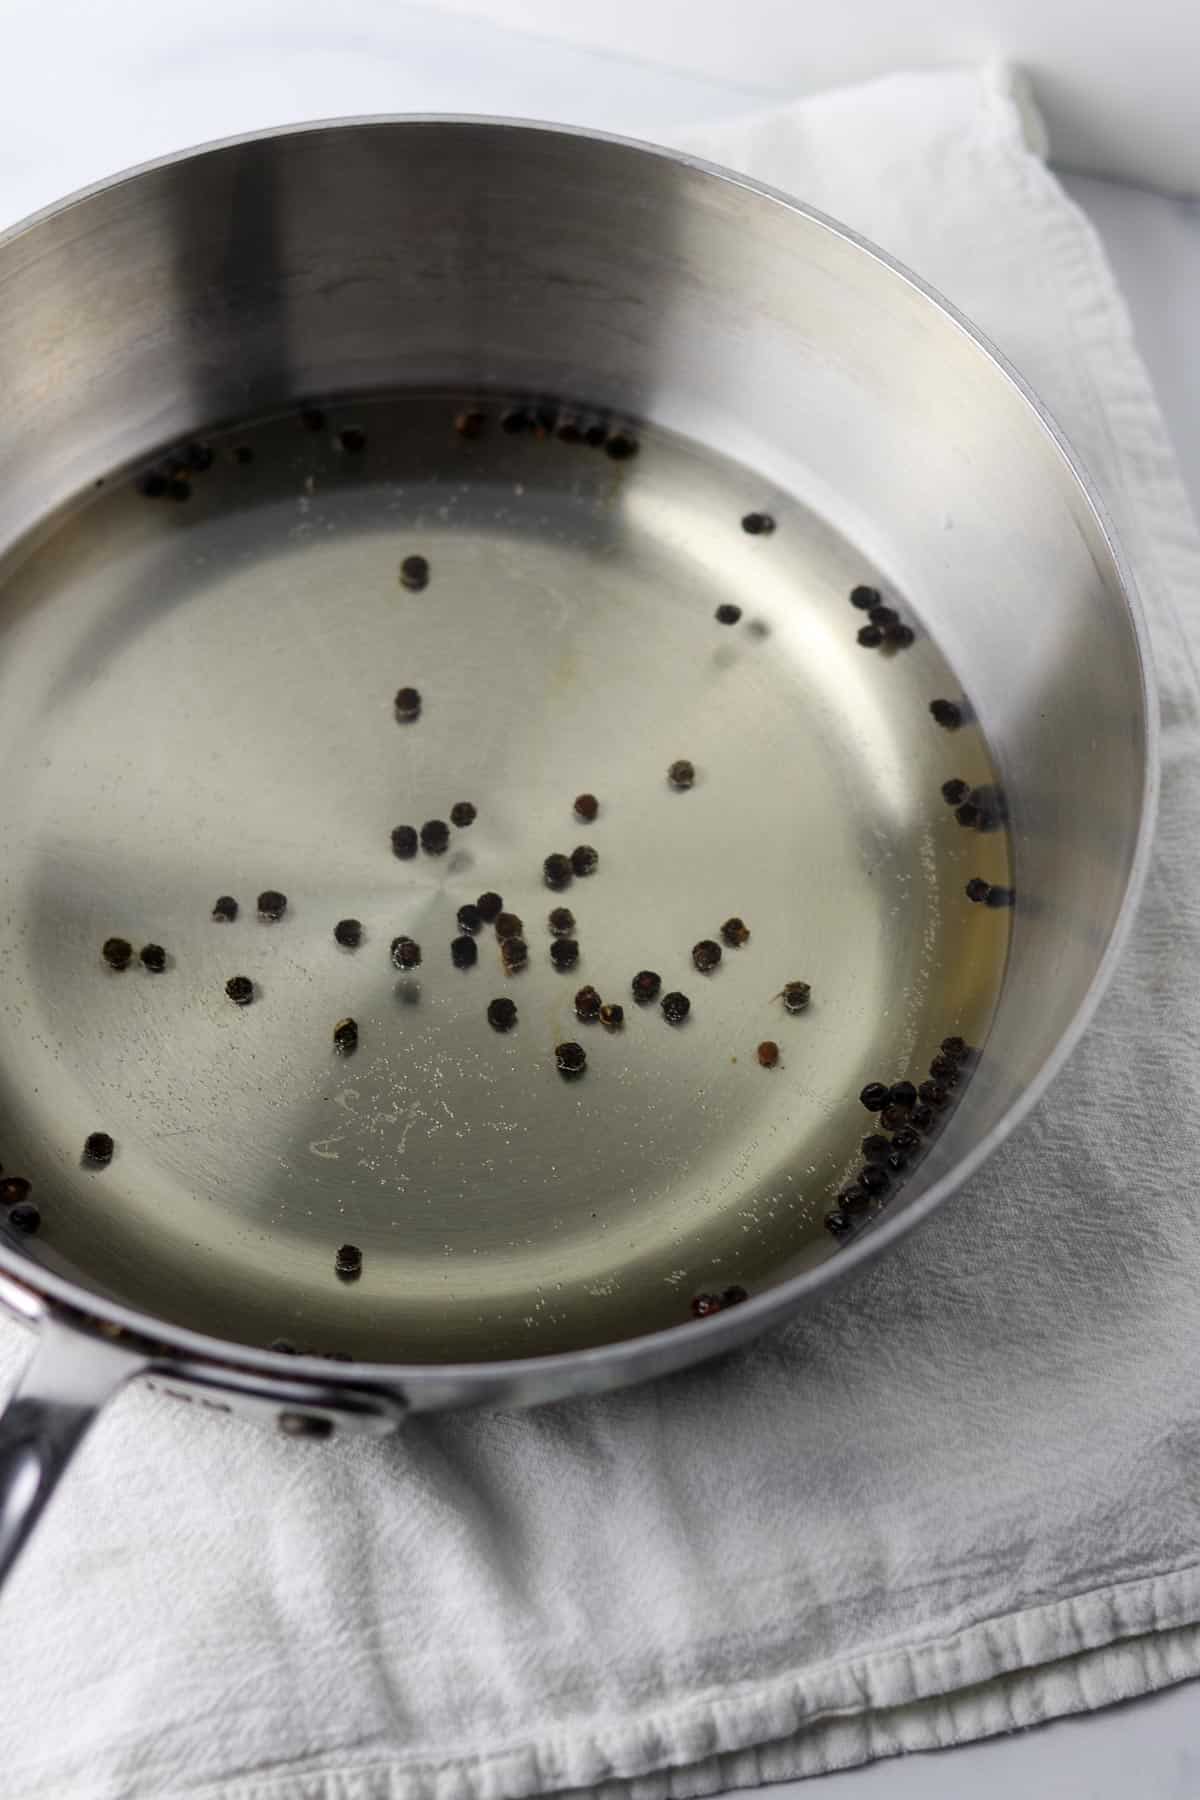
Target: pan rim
<point>677,1345</point>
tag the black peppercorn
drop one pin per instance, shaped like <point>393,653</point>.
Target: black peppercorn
<point>870,637</point>
<point>154,958</point>
<point>955,1048</point>
<point>612,1016</point>
<point>404,842</point>
<point>704,1305</point>
<point>586,807</point>
<point>906,1139</point>
<point>435,837</point>
<point>507,924</point>
<point>225,909</point>
<point>621,447</point>
<point>117,952</point>
<point>864,598</point>
<point>706,955</point>
<point>735,932</point>
<point>588,1004</point>
<point>758,524</point>
<point>1001,896</point>
<point>462,814</point>
<point>921,1118</point>
<point>727,613</point>
<point>991,805</point>
<point>98,1149</point>
<point>874,1147</point>
<point>348,1262</point>
<point>406,953</point>
<point>568,432</point>
<point>469,917</point>
<point>470,424</point>
<point>584,860</point>
<point>240,989</point>
<point>874,1096</point>
<point>408,703</point>
<point>946,714</point>
<point>312,418</point>
<point>768,1053</point>
<point>874,1179</point>
<point>944,1069</point>
<point>594,436</point>
<point>154,486</point>
<point>561,921</point>
<point>902,1093</point>
<point>348,933</point>
<point>557,870</point>
<point>271,906</point>
<point>733,1296</point>
<point>464,952</point>
<point>490,907</point>
<point>25,1217</point>
<point>896,1161</point>
<point>352,439</point>
<point>883,616</point>
<point>564,953</point>
<point>977,888</point>
<point>855,1200</point>
<point>967,815</point>
<point>178,488</point>
<point>345,1036</point>
<point>502,1014</point>
<point>646,984</point>
<point>243,453</point>
<point>898,636</point>
<point>283,1347</point>
<point>681,774</point>
<point>934,1094</point>
<point>514,954</point>
<point>675,1008</point>
<point>414,573</point>
<point>893,1117</point>
<point>13,1188</point>
<point>954,792</point>
<point>570,1059</point>
<point>796,996</point>
<point>836,1223</point>
<point>515,421</point>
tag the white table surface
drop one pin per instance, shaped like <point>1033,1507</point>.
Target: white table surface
<point>94,87</point>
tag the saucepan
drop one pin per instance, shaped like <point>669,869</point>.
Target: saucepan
<point>577,752</point>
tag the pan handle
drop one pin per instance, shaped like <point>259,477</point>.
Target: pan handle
<point>65,1382</point>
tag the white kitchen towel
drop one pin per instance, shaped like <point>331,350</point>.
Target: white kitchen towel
<point>962,1494</point>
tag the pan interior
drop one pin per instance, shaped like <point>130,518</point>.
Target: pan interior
<point>196,699</point>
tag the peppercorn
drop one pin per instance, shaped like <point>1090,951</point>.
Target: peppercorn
<point>874,1096</point>
<point>896,1161</point>
<point>271,906</point>
<point>704,1305</point>
<point>414,573</point>
<point>225,909</point>
<point>706,955</point>
<point>178,488</point>
<point>594,436</point>
<point>564,953</point>
<point>955,1048</point>
<point>733,1296</point>
<point>25,1217</point>
<point>464,952</point>
<point>883,616</point>
<point>404,842</point>
<point>646,984</point>
<point>906,1139</point>
<point>902,1093</point>
<point>435,837</point>
<point>943,1068</point>
<point>283,1346</point>
<point>345,1036</point>
<point>243,453</point>
<point>855,1200</point>
<point>893,1117</point>
<point>621,447</point>
<point>154,486</point>
<point>874,1179</point>
<point>768,1053</point>
<point>796,996</point>
<point>899,636</point>
<point>406,953</point>
<point>507,924</point>
<point>1001,896</point>
<point>675,1008</point>
<point>967,814</point>
<point>12,1189</point>
<point>462,814</point>
<point>992,806</point>
<point>586,807</point>
<point>570,1060</point>
<point>758,524</point>
<point>154,958</point>
<point>934,1094</point>
<point>864,598</point>
<point>514,954</point>
<point>587,1004</point>
<point>490,906</point>
<point>469,917</point>
<point>469,424</point>
<point>836,1223</point>
<point>921,1118</point>
<point>557,870</point>
<point>681,774</point>
<point>870,637</point>
<point>312,418</point>
<point>727,613</point>
<point>515,421</point>
<point>584,859</point>
<point>348,1262</point>
<point>98,1149</point>
<point>561,921</point>
<point>612,1016</point>
<point>240,989</point>
<point>874,1147</point>
<point>977,888</point>
<point>735,932</point>
<point>348,933</point>
<point>352,439</point>
<point>502,1014</point>
<point>568,432</point>
<point>544,420</point>
<point>946,714</point>
<point>117,952</point>
<point>954,792</point>
<point>408,703</point>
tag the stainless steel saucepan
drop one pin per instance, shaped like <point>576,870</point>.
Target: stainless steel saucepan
<point>590,445</point>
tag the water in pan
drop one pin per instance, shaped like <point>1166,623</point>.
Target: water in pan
<point>196,700</point>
